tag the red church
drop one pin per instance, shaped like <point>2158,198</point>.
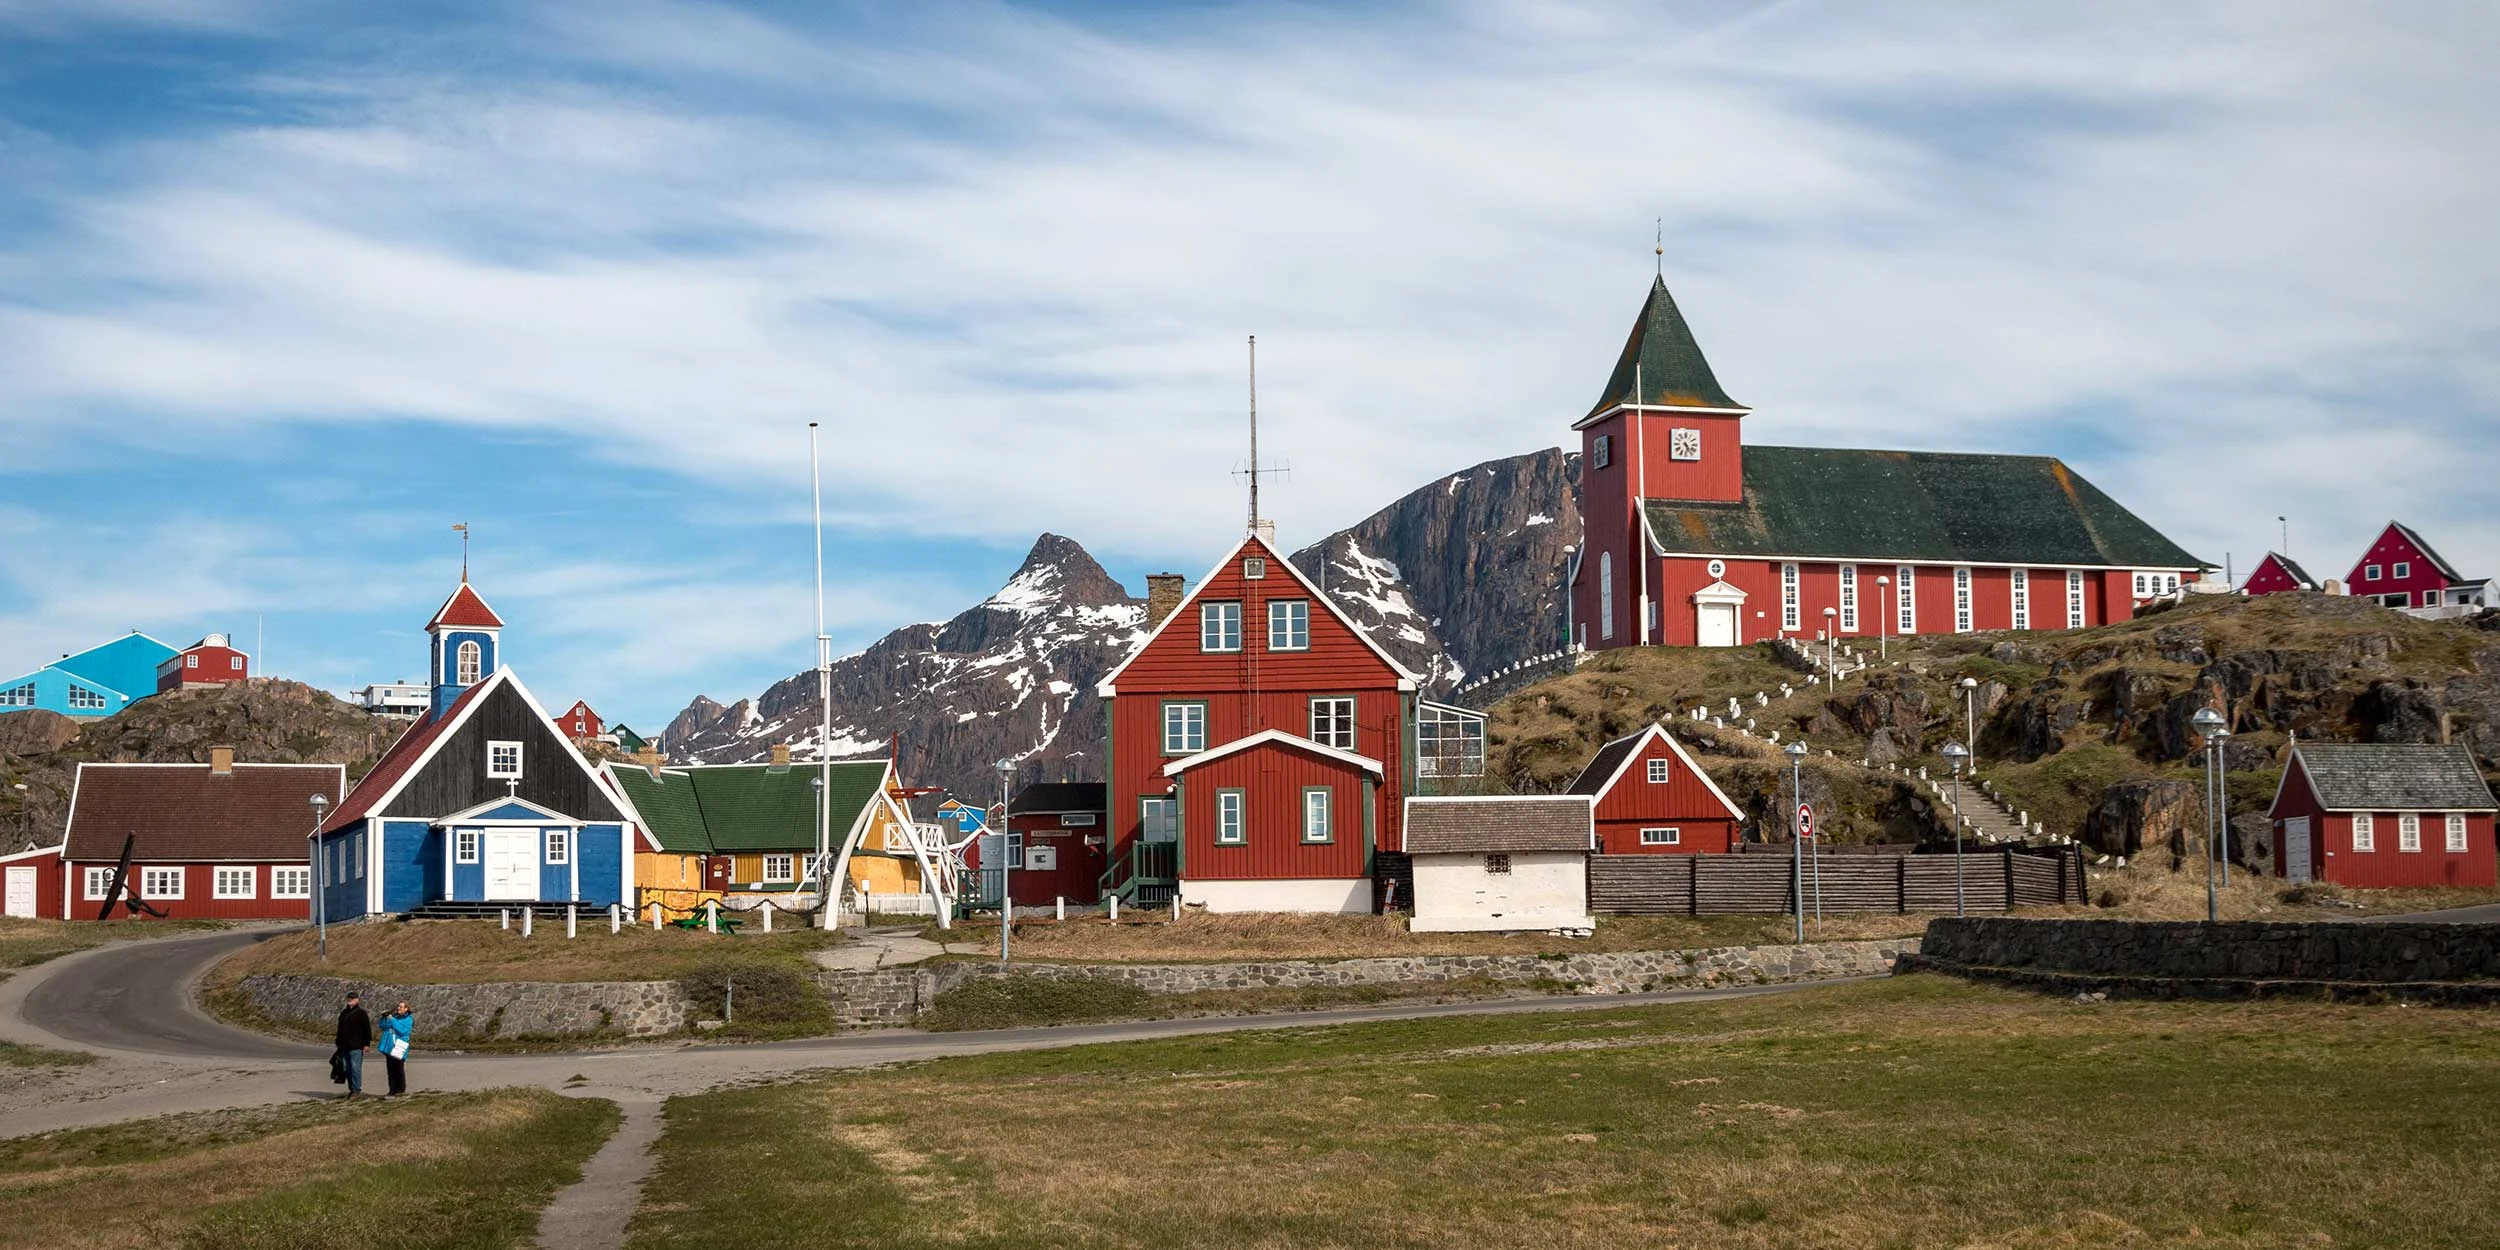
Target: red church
<point>2401,571</point>
<point>1696,538</point>
<point>1261,747</point>
<point>2275,575</point>
<point>1650,798</point>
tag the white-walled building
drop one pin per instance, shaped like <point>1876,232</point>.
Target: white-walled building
<point>1500,862</point>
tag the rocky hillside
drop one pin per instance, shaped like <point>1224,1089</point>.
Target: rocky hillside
<point>265,721</point>
<point>1010,676</point>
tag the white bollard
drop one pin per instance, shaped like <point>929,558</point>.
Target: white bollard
<point>1062,905</point>
<point>1176,905</point>
<point>1115,907</point>
<point>616,917</point>
<point>769,909</point>
<point>655,917</point>
<point>571,914</point>
<point>711,915</point>
<point>504,914</point>
<point>526,914</point>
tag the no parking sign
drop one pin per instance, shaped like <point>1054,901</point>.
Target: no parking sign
<point>1805,820</point>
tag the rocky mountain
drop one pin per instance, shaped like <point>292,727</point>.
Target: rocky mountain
<point>1010,676</point>
<point>265,721</point>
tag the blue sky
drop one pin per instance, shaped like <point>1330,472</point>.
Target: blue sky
<point>287,289</point>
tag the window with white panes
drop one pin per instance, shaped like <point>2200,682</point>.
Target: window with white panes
<point>2456,831</point>
<point>235,662</point>
<point>97,884</point>
<point>2019,580</point>
<point>237,882</point>
<point>503,761</point>
<point>1219,626</point>
<point>559,846</point>
<point>1449,741</point>
<point>781,869</point>
<point>1605,603</point>
<point>85,700</point>
<point>1905,598</point>
<point>157,883</point>
<point>1669,836</point>
<point>1332,723</point>
<point>471,664</point>
<point>465,846</point>
<point>1232,823</point>
<point>1318,815</point>
<point>1788,597</point>
<point>290,881</point>
<point>2364,833</point>
<point>2369,572</point>
<point>2404,569</point>
<point>1289,625</point>
<point>190,661</point>
<point>1657,772</point>
<point>2074,598</point>
<point>18,696</point>
<point>1848,598</point>
<point>1254,568</point>
<point>1184,728</point>
<point>1961,601</point>
<point>2408,831</point>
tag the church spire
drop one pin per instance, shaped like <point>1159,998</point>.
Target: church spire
<point>1663,359</point>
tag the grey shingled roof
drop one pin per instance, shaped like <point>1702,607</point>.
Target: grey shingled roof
<point>1609,758</point>
<point>1671,369</point>
<point>1926,506</point>
<point>1473,826</point>
<point>2387,776</point>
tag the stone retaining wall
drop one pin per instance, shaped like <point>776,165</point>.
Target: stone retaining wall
<point>504,1009</point>
<point>2331,951</point>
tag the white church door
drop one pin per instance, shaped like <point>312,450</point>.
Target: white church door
<point>1718,625</point>
<point>511,863</point>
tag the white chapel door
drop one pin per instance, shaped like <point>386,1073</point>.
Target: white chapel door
<point>511,863</point>
<point>21,898</point>
<point>2295,852</point>
<point>1718,624</point>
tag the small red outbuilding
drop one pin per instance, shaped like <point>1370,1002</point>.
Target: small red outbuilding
<point>220,840</point>
<point>2384,815</point>
<point>1652,799</point>
<point>212,661</point>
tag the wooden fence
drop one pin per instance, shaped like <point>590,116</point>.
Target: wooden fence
<point>1720,885</point>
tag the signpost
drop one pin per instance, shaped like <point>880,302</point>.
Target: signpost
<point>1805,833</point>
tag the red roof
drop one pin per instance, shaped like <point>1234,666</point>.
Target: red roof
<point>396,762</point>
<point>465,608</point>
<point>184,813</point>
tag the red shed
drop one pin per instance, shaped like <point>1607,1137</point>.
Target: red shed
<point>1059,824</point>
<point>208,662</point>
<point>1259,746</point>
<point>2384,815</point>
<point>30,884</point>
<point>1652,799</point>
<point>220,840</point>
<point>579,722</point>
<point>2276,574</point>
<point>2401,571</point>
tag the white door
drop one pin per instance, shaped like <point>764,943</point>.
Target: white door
<point>1718,624</point>
<point>2296,848</point>
<point>21,900</point>
<point>511,863</point>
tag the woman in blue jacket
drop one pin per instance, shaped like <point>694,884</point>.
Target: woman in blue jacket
<point>398,1026</point>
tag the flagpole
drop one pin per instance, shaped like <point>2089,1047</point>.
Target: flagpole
<point>826,887</point>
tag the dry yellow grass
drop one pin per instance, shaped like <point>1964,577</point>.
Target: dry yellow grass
<point>1197,937</point>
<point>24,942</point>
<point>468,952</point>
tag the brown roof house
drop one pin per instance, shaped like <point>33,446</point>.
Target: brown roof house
<point>219,840</point>
<point>1500,862</point>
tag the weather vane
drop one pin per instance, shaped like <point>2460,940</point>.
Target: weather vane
<point>463,529</point>
<point>1659,246</point>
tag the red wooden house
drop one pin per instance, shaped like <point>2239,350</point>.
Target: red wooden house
<point>1061,837</point>
<point>220,840</point>
<point>30,883</point>
<point>578,722</point>
<point>1261,747</point>
<point>2384,815</point>
<point>1696,538</point>
<point>2276,574</point>
<point>2401,571</point>
<point>1650,798</point>
<point>209,662</point>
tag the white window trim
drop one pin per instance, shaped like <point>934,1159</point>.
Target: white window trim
<point>1789,615</point>
<point>1254,568</point>
<point>147,871</point>
<point>95,884</point>
<point>2402,570</point>
<point>467,845</point>
<point>1658,772</point>
<point>280,874</point>
<point>1962,614</point>
<point>557,844</point>
<point>468,663</point>
<point>1186,748</point>
<point>1333,702</point>
<point>781,868</point>
<point>2364,833</point>
<point>1905,583</point>
<point>2074,599</point>
<point>1235,804</point>
<point>2369,573</point>
<point>1211,635</point>
<point>218,876</point>
<point>1605,594</point>
<point>2409,833</point>
<point>1848,598</point>
<point>494,773</point>
<point>1669,835</point>
<point>2457,835</point>
<point>1280,614</point>
<point>2018,583</point>
<point>1326,811</point>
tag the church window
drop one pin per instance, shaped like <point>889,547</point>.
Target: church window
<point>471,664</point>
<point>1684,444</point>
<point>1961,601</point>
<point>2074,598</point>
<point>1848,598</point>
<point>2020,581</point>
<point>1905,598</point>
<point>503,761</point>
<point>1788,597</point>
<point>1606,594</point>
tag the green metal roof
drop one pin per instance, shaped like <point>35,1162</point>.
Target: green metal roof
<point>1835,503</point>
<point>745,807</point>
<point>1672,371</point>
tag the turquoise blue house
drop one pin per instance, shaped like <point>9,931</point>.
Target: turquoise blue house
<point>98,681</point>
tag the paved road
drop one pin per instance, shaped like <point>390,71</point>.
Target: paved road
<point>136,997</point>
<point>2488,913</point>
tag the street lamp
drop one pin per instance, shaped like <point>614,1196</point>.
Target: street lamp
<point>1831,644</point>
<point>321,903</point>
<point>1970,717</point>
<point>2214,728</point>
<point>1006,858</point>
<point>1957,755</point>
<point>1796,806</point>
<point>1883,624</point>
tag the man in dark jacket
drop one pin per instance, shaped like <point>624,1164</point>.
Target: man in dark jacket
<point>354,1038</point>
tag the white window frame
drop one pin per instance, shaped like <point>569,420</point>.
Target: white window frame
<point>290,881</point>
<point>152,875</point>
<point>1848,598</point>
<point>1961,600</point>
<point>95,884</point>
<point>558,845</point>
<point>497,770</point>
<point>2369,573</point>
<point>356,856</point>
<point>1332,721</point>
<point>466,846</point>
<point>780,867</point>
<point>1668,835</point>
<point>2457,833</point>
<point>1905,591</point>
<point>191,661</point>
<point>468,664</point>
<point>1319,819</point>
<point>1659,773</point>
<point>2364,833</point>
<point>1219,627</point>
<point>1193,728</point>
<point>2074,599</point>
<point>1605,595</point>
<point>234,663</point>
<point>2018,582</point>
<point>1288,624</point>
<point>1789,616</point>
<point>2402,570</point>
<point>2409,832</point>
<point>1254,568</point>
<point>222,874</point>
<point>1077,820</point>
<point>86,700</point>
<point>1232,817</point>
<point>20,695</point>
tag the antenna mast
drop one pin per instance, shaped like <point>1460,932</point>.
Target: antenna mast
<point>1254,432</point>
<point>826,888</point>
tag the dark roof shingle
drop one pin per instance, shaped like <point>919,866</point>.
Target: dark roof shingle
<point>1941,507</point>
<point>182,813</point>
<point>2389,776</point>
<point>1671,369</point>
<point>1592,779</point>
<point>1497,824</point>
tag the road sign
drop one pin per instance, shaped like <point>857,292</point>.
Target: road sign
<point>1805,820</point>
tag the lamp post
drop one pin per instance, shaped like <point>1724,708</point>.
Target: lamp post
<point>1970,717</point>
<point>321,903</point>
<point>1957,755</point>
<point>1831,644</point>
<point>1883,624</point>
<point>1006,859</point>
<point>2211,725</point>
<point>1796,803</point>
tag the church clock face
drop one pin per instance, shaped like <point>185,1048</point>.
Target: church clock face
<point>1684,444</point>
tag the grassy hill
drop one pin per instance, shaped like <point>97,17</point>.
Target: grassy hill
<point>2086,730</point>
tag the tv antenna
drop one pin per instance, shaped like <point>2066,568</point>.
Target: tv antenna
<point>1254,472</point>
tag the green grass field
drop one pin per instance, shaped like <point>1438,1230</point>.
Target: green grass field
<point>1912,1112</point>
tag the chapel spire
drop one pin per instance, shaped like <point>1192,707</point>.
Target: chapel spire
<point>1661,353</point>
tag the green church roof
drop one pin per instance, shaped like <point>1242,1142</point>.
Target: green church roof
<point>1671,370</point>
<point>1828,503</point>
<point>744,807</point>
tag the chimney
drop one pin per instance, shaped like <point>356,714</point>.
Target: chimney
<point>1266,530</point>
<point>649,758</point>
<point>1163,597</point>
<point>221,761</point>
<point>781,757</point>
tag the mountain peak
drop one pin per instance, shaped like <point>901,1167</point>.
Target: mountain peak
<point>1057,572</point>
